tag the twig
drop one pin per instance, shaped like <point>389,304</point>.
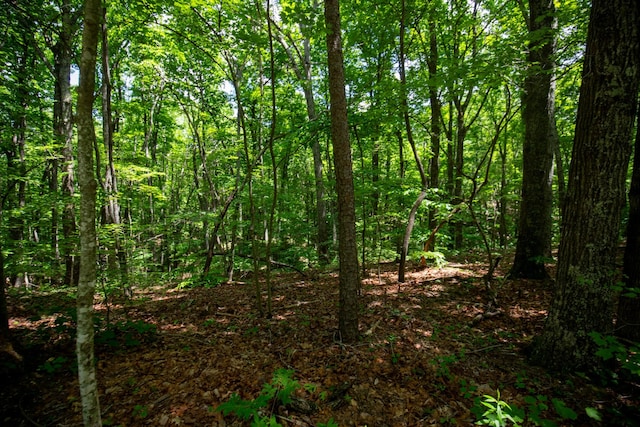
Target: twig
<point>27,417</point>
<point>485,348</point>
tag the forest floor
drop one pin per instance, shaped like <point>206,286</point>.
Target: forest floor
<point>426,357</point>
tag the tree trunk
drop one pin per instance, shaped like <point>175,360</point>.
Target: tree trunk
<point>87,280</point>
<point>436,112</point>
<point>17,171</point>
<point>62,116</point>
<point>348,252</point>
<point>628,324</point>
<point>407,123</point>
<point>116,257</point>
<point>586,266</point>
<point>534,227</point>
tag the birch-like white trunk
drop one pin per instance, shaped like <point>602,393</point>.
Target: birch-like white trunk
<point>86,178</point>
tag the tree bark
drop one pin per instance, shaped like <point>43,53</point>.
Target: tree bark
<point>87,278</point>
<point>116,258</point>
<point>348,252</point>
<point>63,131</point>
<point>407,124</point>
<point>628,323</point>
<point>589,239</point>
<point>534,226</point>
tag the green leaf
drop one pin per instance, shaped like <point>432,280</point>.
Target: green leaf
<point>593,413</point>
<point>563,410</point>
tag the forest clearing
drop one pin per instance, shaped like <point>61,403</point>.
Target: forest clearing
<point>171,357</point>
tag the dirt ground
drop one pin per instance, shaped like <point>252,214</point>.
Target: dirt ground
<point>430,349</point>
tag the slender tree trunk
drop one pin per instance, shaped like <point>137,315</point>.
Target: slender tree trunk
<point>17,171</point>
<point>116,258</point>
<point>86,286</point>
<point>407,123</point>
<point>534,227</point>
<point>628,324</point>
<point>347,249</point>
<point>63,129</point>
<point>5,335</point>
<point>62,113</point>
<point>583,301</point>
<point>436,113</point>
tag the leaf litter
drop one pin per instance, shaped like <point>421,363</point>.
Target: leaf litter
<point>424,358</point>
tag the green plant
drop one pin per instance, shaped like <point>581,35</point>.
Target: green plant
<point>279,389</point>
<point>466,389</point>
<point>53,365</point>
<point>127,334</point>
<point>498,413</point>
<point>610,348</point>
<point>537,405</point>
<point>260,410</point>
<point>443,364</point>
<point>435,258</point>
<point>140,411</point>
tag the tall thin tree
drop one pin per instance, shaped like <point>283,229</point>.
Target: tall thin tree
<point>88,246</point>
<point>534,226</point>
<point>347,249</point>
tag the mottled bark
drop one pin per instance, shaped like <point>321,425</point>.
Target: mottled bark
<point>347,250</point>
<point>583,301</point>
<point>88,245</point>
<point>534,226</point>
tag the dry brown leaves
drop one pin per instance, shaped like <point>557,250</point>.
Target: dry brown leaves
<point>421,360</point>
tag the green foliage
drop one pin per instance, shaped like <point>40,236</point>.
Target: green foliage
<point>140,411</point>
<point>127,334</point>
<point>436,259</point>
<point>54,365</point>
<point>563,410</point>
<point>611,349</point>
<point>279,390</point>
<point>593,413</point>
<point>207,281</point>
<point>498,413</point>
<point>495,412</point>
<point>444,363</point>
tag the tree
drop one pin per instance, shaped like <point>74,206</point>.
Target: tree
<point>407,124</point>
<point>347,250</point>
<point>628,319</point>
<point>583,299</point>
<point>88,251</point>
<point>534,227</point>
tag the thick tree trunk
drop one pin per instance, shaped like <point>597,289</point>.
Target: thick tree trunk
<point>348,252</point>
<point>87,280</point>
<point>534,227</point>
<point>628,324</point>
<point>606,112</point>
